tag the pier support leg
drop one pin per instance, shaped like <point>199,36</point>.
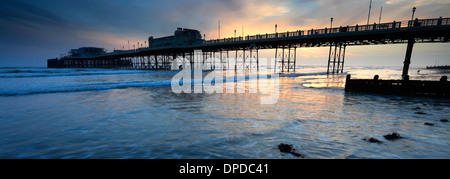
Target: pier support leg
<point>282,61</point>
<point>204,63</point>
<point>191,60</point>
<point>174,58</point>
<point>407,61</point>
<point>250,66</point>
<point>211,60</point>
<point>184,61</point>
<point>343,59</point>
<point>156,62</point>
<point>334,60</point>
<point>235,60</point>
<point>276,58</point>
<point>221,60</point>
<point>253,56</point>
<point>295,57</point>
<point>149,63</point>
<point>329,58</point>
<point>257,60</point>
<point>244,59</point>
<point>339,58</point>
<point>214,61</point>
<point>163,61</point>
<point>211,64</point>
<point>289,59</point>
<point>228,61</point>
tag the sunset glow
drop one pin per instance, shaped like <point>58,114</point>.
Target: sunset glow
<point>35,25</point>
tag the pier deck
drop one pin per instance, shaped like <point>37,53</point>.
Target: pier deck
<point>435,30</point>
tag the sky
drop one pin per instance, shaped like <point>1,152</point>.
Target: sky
<point>32,31</point>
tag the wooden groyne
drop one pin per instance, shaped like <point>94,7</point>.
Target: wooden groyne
<point>408,87</point>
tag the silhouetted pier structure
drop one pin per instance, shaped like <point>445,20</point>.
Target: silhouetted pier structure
<point>405,86</point>
<point>160,53</point>
<point>442,67</point>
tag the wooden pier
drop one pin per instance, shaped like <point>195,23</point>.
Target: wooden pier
<point>440,89</point>
<point>164,51</point>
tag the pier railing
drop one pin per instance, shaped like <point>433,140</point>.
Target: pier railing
<point>429,22</point>
<point>342,29</point>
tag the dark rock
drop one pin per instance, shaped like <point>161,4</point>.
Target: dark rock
<point>393,136</point>
<point>421,113</point>
<point>372,140</point>
<point>429,124</point>
<point>444,120</point>
<point>286,148</point>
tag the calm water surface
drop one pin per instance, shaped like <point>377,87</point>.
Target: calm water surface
<point>111,113</point>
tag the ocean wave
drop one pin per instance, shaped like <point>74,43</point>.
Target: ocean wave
<point>29,82</point>
<point>39,73</point>
<point>76,87</point>
<point>12,89</point>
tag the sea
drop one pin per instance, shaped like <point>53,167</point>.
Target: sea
<point>124,113</point>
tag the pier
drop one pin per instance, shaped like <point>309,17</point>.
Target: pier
<point>160,53</point>
<point>405,87</point>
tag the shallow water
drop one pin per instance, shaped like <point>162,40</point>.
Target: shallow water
<point>112,113</point>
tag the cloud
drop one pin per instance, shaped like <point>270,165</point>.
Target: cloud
<point>49,27</point>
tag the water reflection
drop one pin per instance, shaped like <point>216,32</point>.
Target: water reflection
<point>313,113</point>
<point>326,122</point>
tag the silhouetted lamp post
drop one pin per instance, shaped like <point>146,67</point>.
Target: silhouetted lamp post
<point>413,11</point>
<point>276,28</point>
<point>331,26</point>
